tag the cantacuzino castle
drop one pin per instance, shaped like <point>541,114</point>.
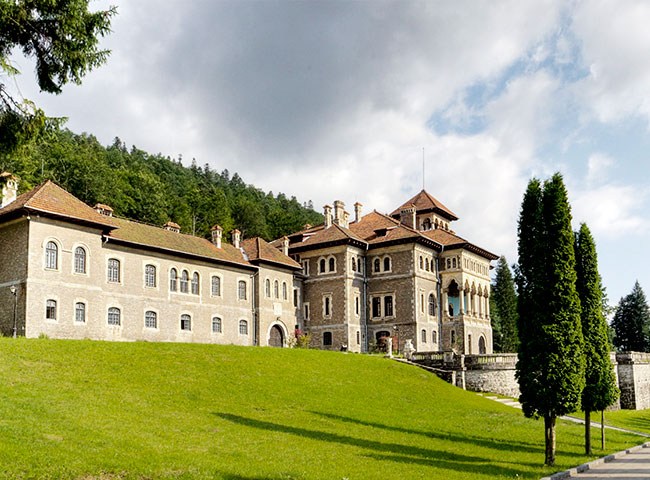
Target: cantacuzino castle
<point>71,271</point>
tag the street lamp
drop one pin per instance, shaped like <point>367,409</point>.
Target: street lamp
<point>14,292</point>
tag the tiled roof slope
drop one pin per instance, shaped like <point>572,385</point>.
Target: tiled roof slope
<point>451,240</point>
<point>259,250</point>
<point>159,238</point>
<point>376,228</point>
<point>319,235</point>
<point>51,199</point>
<point>425,201</point>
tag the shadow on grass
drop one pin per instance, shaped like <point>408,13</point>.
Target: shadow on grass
<point>236,476</point>
<point>442,435</point>
<point>395,451</point>
<point>640,424</point>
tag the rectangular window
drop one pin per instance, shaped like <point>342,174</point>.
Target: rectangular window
<point>376,306</point>
<point>327,338</point>
<point>149,276</point>
<point>305,268</point>
<point>186,322</point>
<point>327,306</point>
<point>356,305</point>
<point>243,327</point>
<point>422,302</point>
<point>241,291</point>
<point>216,286</point>
<point>358,338</point>
<point>50,310</point>
<point>388,306</point>
<point>306,310</point>
<point>113,273</point>
<point>80,312</point>
<point>295,297</point>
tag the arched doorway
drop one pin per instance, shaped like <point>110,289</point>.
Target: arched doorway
<point>276,337</point>
<point>481,345</point>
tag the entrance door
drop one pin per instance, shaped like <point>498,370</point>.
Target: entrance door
<point>276,337</point>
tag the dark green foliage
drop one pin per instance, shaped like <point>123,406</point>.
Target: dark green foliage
<point>550,369</point>
<point>632,322</point>
<point>505,306</point>
<point>155,189</point>
<point>62,37</point>
<point>497,335</point>
<point>600,380</point>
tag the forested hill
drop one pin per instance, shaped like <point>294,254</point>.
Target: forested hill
<point>156,189</point>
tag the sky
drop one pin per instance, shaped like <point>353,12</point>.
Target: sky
<point>342,100</point>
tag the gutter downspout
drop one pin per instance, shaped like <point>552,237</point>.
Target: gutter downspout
<point>256,327</point>
<point>365,300</point>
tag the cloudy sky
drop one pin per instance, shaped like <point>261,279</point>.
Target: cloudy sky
<point>336,100</point>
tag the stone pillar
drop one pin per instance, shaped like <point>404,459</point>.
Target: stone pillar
<point>461,297</point>
<point>445,302</point>
<point>469,302</point>
<point>487,307</point>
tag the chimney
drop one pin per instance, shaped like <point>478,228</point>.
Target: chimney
<point>172,227</point>
<point>104,209</point>
<point>357,212</point>
<point>217,233</point>
<point>236,235</point>
<point>9,190</point>
<point>407,216</point>
<point>306,226</point>
<point>285,245</point>
<point>339,209</point>
<point>328,216</point>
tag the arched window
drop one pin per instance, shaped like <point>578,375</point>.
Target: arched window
<point>481,345</point>
<point>284,290</point>
<point>322,265</point>
<point>150,276</point>
<point>377,265</point>
<point>50,309</point>
<point>421,263</point>
<point>386,264</point>
<point>453,262</point>
<point>434,336</point>
<point>432,304</point>
<point>173,275</point>
<point>216,286</point>
<point>80,312</point>
<point>216,325</point>
<point>79,260</point>
<point>195,283</point>
<point>267,288</point>
<point>113,273</point>
<point>332,264</point>
<point>424,336</point>
<point>241,290</point>
<point>327,339</point>
<point>51,256</point>
<point>426,225</point>
<point>185,277</point>
<point>275,289</point>
<point>354,265</point>
<point>114,316</point>
<point>186,322</point>
<point>243,327</point>
<point>453,337</point>
<point>427,264</point>
<point>359,265</point>
<point>150,320</point>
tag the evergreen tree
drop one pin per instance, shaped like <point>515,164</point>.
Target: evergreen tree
<point>505,303</point>
<point>497,336</point>
<point>632,322</point>
<point>550,369</point>
<point>600,381</point>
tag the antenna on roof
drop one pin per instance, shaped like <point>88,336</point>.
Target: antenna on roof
<point>422,168</point>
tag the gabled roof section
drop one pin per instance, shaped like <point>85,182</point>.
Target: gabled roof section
<point>157,238</point>
<point>316,237</point>
<point>258,250</point>
<point>50,199</point>
<point>452,241</point>
<point>377,228</point>
<point>424,202</point>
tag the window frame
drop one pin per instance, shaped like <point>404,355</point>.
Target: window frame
<point>195,284</point>
<point>173,279</point>
<point>328,306</point>
<point>76,311</point>
<point>110,314</point>
<point>328,339</point>
<point>48,252</point>
<point>150,280</point>
<point>75,260</point>
<point>185,281</point>
<point>51,309</point>
<point>242,294</point>
<point>185,317</point>
<point>212,285</point>
<point>147,318</point>
<point>112,272</point>
<point>243,327</point>
<point>213,323</point>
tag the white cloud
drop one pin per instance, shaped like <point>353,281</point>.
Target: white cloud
<point>599,165</point>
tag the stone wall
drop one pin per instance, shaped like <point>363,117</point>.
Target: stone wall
<point>634,379</point>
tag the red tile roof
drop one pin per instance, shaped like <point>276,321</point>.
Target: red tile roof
<point>424,202</point>
<point>49,198</point>
<point>451,240</point>
<point>257,249</point>
<point>141,234</point>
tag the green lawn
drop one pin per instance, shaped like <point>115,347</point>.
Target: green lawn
<point>98,410</point>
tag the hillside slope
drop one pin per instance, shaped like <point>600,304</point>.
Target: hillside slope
<point>84,409</point>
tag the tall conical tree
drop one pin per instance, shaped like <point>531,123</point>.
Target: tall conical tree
<point>632,322</point>
<point>550,368</point>
<point>505,301</point>
<point>600,381</point>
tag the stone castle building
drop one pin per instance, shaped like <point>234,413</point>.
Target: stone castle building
<point>71,271</point>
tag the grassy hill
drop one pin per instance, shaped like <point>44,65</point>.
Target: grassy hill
<point>99,410</point>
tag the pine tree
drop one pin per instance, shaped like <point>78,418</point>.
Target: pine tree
<point>505,302</point>
<point>600,380</point>
<point>632,322</point>
<point>550,369</point>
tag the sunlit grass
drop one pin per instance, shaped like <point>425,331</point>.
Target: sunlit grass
<point>83,409</point>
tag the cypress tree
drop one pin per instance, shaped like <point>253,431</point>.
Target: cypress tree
<point>600,381</point>
<point>505,302</point>
<point>550,369</point>
<point>632,321</point>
